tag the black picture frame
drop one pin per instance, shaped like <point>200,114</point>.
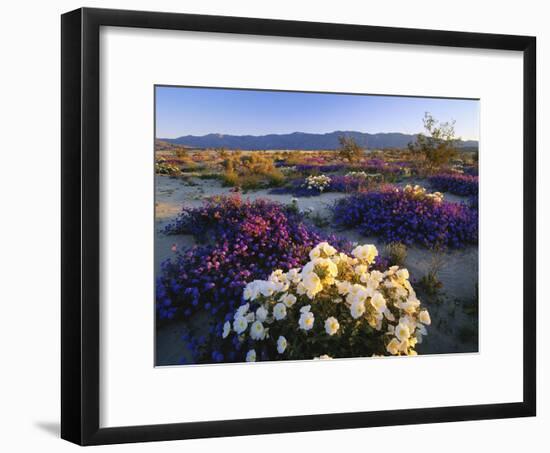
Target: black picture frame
<point>80,264</point>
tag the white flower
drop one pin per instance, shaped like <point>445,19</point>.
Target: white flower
<point>261,314</point>
<point>324,265</point>
<point>305,309</point>
<point>240,324</point>
<point>331,325</point>
<point>357,293</point>
<point>410,305</point>
<point>288,299</point>
<point>402,331</point>
<point>268,288</point>
<point>393,346</point>
<point>257,331</point>
<point>276,275</point>
<point>226,329</point>
<point>252,290</point>
<point>294,276</point>
<point>312,284</point>
<point>329,266</point>
<point>320,249</point>
<point>376,276</point>
<point>306,320</point>
<point>357,309</point>
<point>361,269</point>
<point>343,287</point>
<point>251,356</point>
<point>402,275</point>
<point>328,249</point>
<point>241,311</point>
<point>365,253</point>
<point>323,357</point>
<point>281,344</point>
<point>315,253</point>
<point>424,317</point>
<point>279,311</point>
<point>378,302</point>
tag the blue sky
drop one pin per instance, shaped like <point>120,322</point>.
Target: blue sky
<point>200,111</point>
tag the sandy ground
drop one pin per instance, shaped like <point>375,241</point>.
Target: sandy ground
<point>453,310</point>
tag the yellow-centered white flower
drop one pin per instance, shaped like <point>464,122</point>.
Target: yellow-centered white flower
<point>424,317</point>
<point>240,324</point>
<point>257,331</point>
<point>279,311</point>
<point>251,356</point>
<point>288,299</point>
<point>331,325</point>
<point>281,344</point>
<point>306,321</point>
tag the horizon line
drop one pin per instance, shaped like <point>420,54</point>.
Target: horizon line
<point>299,132</point>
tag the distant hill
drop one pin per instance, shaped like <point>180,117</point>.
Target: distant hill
<point>300,140</point>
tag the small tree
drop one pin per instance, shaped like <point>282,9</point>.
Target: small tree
<point>438,144</point>
<point>349,149</point>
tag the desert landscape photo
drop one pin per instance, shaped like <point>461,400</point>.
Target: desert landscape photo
<point>304,226</point>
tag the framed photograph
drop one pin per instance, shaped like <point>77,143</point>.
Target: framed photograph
<point>275,226</point>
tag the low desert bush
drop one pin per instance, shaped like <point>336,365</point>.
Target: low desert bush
<point>336,305</point>
<point>251,171</point>
<point>164,167</point>
<point>242,241</point>
<point>396,253</point>
<point>455,183</point>
<point>409,216</point>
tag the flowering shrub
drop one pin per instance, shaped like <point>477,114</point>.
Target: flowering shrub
<point>418,192</point>
<point>315,169</point>
<point>163,167</point>
<point>409,216</point>
<point>456,183</point>
<point>335,306</point>
<point>349,183</point>
<point>379,166</point>
<point>247,240</point>
<point>318,183</point>
<point>471,170</point>
<point>353,182</point>
<point>358,174</point>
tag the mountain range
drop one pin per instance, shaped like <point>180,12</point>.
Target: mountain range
<point>301,141</point>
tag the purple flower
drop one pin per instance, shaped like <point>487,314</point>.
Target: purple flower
<point>455,183</point>
<point>396,216</point>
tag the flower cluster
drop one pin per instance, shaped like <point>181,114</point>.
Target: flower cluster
<point>339,183</point>
<point>380,166</point>
<point>353,182</point>
<point>419,192</point>
<point>358,174</point>
<point>164,167</point>
<point>409,216</point>
<point>319,183</point>
<point>455,183</point>
<point>315,169</point>
<point>246,241</point>
<point>337,305</point>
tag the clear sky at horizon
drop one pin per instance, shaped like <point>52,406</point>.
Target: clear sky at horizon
<point>200,111</point>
